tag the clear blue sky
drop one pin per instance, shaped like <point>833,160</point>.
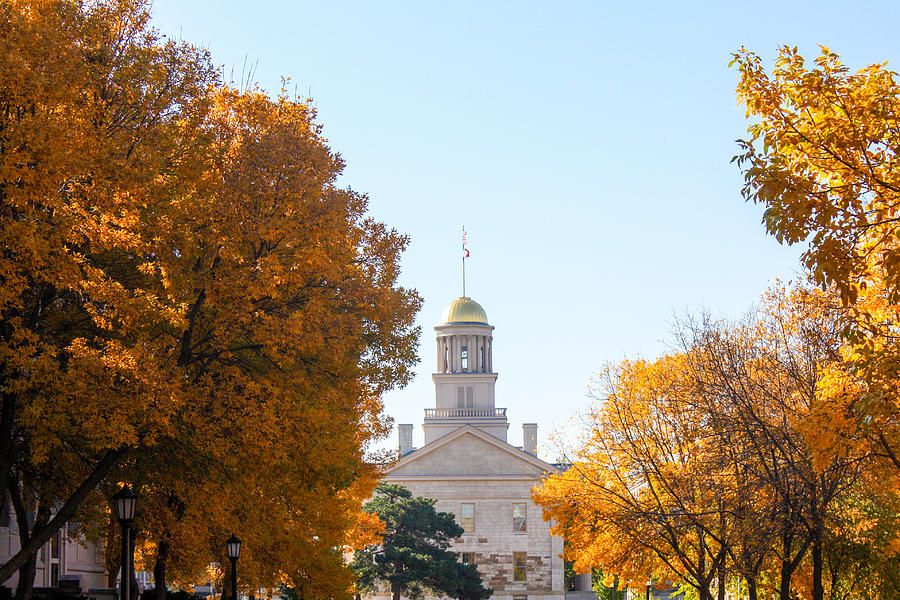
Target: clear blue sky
<point>585,146</point>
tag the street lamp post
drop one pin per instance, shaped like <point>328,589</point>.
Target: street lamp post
<point>124,502</point>
<point>234,551</point>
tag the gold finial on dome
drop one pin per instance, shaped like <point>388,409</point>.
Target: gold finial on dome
<point>464,310</point>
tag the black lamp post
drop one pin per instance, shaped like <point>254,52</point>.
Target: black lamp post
<point>124,502</point>
<point>234,551</point>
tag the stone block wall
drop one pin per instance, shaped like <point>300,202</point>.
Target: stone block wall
<point>493,541</point>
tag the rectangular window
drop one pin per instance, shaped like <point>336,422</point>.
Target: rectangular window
<point>467,517</point>
<point>460,397</point>
<point>470,396</point>
<point>54,546</point>
<point>519,566</point>
<point>468,558</point>
<point>55,543</point>
<point>518,597</point>
<point>4,509</point>
<point>519,520</point>
<point>465,358</point>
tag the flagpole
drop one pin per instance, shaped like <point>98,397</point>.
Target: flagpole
<point>464,260</point>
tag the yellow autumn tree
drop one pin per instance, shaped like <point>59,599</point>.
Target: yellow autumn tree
<point>701,466</point>
<point>760,383</point>
<point>189,302</point>
<point>822,159</point>
<point>639,499</point>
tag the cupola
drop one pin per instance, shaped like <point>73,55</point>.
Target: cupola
<point>464,311</point>
<point>464,378</point>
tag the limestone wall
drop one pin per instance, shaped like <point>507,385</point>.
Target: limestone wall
<point>494,540</point>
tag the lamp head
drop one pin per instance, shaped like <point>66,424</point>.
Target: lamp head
<point>124,502</point>
<point>234,547</point>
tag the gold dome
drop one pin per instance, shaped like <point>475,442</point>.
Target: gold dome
<point>464,310</point>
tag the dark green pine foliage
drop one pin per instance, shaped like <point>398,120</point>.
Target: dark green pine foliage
<point>414,557</point>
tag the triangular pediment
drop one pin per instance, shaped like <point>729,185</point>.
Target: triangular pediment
<point>469,451</point>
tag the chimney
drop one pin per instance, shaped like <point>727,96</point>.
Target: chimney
<point>529,438</point>
<point>405,433</point>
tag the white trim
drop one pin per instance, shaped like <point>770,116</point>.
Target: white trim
<point>486,437</point>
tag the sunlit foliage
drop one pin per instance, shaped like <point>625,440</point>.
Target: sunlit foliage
<point>189,302</point>
<point>706,467</point>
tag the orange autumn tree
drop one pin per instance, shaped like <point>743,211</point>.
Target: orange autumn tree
<point>639,499</point>
<point>88,101</point>
<point>189,302</point>
<point>291,299</point>
<point>761,387</point>
<point>701,465</point>
<point>822,159</point>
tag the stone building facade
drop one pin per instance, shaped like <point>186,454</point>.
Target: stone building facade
<point>65,560</point>
<point>472,471</point>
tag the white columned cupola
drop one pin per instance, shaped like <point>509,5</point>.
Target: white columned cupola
<point>464,377</point>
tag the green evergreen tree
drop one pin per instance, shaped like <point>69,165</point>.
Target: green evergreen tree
<point>414,558</point>
<point>603,591</point>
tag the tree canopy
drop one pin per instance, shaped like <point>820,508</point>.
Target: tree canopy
<point>822,159</point>
<point>189,302</point>
<point>764,454</point>
<point>413,558</point>
<point>705,467</point>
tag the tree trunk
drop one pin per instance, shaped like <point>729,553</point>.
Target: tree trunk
<point>721,588</point>
<point>26,569</point>
<point>135,589</point>
<point>751,588</point>
<point>395,591</point>
<point>226,579</point>
<point>25,588</point>
<point>159,570</point>
<point>41,535</point>
<point>7,416</point>
<point>818,591</point>
<point>784,588</point>
<point>113,553</point>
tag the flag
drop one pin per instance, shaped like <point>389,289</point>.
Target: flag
<point>465,253</point>
<point>465,240</point>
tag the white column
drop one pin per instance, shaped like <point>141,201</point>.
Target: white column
<point>454,354</point>
<point>478,353</point>
<point>490,355</point>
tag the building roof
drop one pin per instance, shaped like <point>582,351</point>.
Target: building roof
<point>445,460</point>
<point>464,310</point>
